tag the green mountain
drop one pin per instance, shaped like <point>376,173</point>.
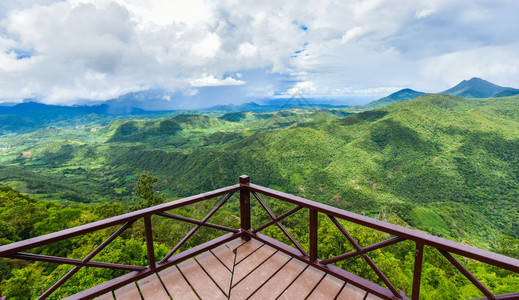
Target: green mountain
<point>431,159</point>
<point>475,88</point>
<point>402,95</point>
<point>507,93</point>
<point>31,116</point>
<point>274,105</point>
<point>251,106</point>
<point>13,123</point>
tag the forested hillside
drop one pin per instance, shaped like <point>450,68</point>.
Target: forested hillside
<point>439,163</point>
<point>430,160</point>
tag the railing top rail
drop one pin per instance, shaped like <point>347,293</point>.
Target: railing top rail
<point>499,260</point>
<point>20,246</point>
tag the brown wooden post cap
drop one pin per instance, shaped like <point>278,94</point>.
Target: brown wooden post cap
<point>244,179</point>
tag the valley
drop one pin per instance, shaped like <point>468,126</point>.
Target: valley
<point>429,160</point>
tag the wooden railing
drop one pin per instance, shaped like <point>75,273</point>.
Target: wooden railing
<point>444,246</point>
<point>246,189</point>
<point>16,250</point>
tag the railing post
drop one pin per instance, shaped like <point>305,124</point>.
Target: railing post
<point>313,235</point>
<point>245,205</point>
<point>149,242</point>
<point>417,276</point>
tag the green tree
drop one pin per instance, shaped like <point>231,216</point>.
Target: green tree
<point>144,189</point>
<point>508,246</point>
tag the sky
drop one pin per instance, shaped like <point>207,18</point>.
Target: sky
<point>201,53</point>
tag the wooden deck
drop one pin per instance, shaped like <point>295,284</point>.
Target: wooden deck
<point>240,270</point>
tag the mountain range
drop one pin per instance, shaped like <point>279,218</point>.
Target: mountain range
<point>443,163</point>
<point>30,116</point>
<point>472,88</point>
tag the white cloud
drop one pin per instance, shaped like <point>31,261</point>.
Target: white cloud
<point>305,88</point>
<point>492,63</point>
<point>247,50</point>
<point>164,12</point>
<point>424,13</point>
<point>207,47</point>
<point>378,90</point>
<point>352,34</point>
<point>62,51</point>
<point>213,81</point>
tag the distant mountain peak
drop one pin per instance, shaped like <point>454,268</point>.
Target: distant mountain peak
<point>475,88</point>
<point>401,95</point>
<point>475,79</point>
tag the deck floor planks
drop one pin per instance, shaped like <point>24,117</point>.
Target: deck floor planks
<point>200,281</point>
<point>280,281</point>
<point>152,289</point>
<point>351,292</point>
<point>107,296</point>
<point>247,249</point>
<point>328,288</point>
<point>252,271</point>
<point>216,270</point>
<point>225,255</point>
<point>176,285</point>
<point>129,291</point>
<point>303,285</point>
<point>250,262</point>
<point>259,276</point>
<point>235,243</point>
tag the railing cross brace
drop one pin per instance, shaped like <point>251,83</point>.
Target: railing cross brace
<point>194,229</point>
<point>91,255</point>
<point>467,274</point>
<point>193,221</point>
<point>370,262</point>
<point>277,219</point>
<point>283,229</point>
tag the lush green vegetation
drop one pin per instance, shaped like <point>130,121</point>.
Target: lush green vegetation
<point>24,280</point>
<point>429,160</point>
<point>439,163</point>
<point>23,217</point>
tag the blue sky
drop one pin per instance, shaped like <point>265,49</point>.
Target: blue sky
<point>216,52</point>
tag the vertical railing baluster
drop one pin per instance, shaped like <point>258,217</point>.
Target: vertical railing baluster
<point>313,235</point>
<point>245,205</point>
<point>149,241</point>
<point>417,275</point>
